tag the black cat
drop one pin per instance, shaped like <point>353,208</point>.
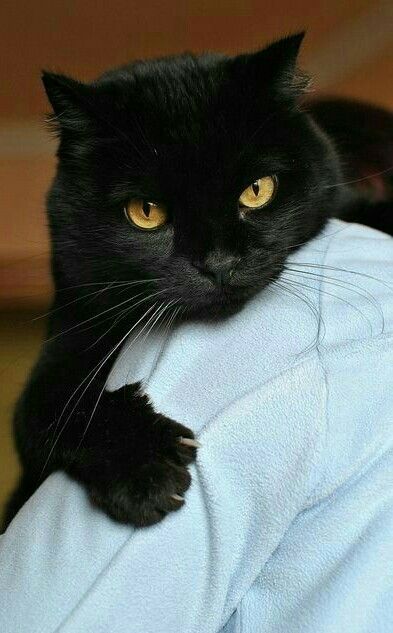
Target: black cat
<point>182,185</point>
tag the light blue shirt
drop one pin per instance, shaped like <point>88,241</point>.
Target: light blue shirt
<point>288,525</point>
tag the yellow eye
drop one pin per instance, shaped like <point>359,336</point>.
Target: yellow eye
<point>260,193</point>
<point>146,215</point>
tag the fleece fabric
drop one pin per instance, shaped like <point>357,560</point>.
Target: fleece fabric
<point>288,524</point>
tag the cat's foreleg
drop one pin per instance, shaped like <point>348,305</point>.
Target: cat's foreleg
<point>131,460</point>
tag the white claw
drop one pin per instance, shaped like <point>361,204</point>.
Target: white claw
<point>177,497</point>
<point>188,442</point>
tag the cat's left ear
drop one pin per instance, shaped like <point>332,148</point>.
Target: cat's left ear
<point>275,67</point>
<point>71,100</point>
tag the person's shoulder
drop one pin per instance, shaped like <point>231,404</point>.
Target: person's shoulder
<point>335,291</point>
<point>355,349</point>
<point>350,267</point>
<point>358,234</point>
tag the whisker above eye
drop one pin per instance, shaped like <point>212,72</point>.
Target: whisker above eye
<point>364,178</point>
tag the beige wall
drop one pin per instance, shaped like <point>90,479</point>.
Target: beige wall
<point>85,37</point>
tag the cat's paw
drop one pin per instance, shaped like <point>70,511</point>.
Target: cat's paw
<point>157,486</point>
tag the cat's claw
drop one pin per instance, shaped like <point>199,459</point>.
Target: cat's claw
<point>177,497</point>
<point>189,442</point>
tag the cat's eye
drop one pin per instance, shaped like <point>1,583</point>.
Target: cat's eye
<point>146,215</point>
<point>258,194</point>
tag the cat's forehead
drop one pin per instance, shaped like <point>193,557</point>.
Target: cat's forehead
<point>190,72</point>
<point>170,94</point>
<point>189,108</point>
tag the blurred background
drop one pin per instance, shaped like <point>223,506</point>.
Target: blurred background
<point>348,50</point>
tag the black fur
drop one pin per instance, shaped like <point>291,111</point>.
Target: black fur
<point>363,136</point>
<point>192,132</point>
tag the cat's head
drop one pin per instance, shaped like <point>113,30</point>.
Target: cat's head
<point>199,172</point>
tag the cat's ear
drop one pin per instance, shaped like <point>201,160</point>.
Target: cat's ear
<point>282,55</point>
<point>275,67</point>
<point>71,101</point>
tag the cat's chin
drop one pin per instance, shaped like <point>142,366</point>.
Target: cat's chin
<point>217,306</point>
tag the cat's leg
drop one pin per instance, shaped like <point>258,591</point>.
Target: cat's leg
<point>132,460</point>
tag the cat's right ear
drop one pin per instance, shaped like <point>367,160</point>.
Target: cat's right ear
<point>71,101</point>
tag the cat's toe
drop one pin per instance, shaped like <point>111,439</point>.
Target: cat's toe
<point>163,492</point>
<point>169,479</point>
<point>145,499</point>
<point>144,485</point>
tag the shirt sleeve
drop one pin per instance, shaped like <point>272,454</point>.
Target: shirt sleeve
<point>66,567</point>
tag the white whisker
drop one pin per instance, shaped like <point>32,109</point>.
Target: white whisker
<point>95,370</point>
<point>96,316</point>
<point>160,312</point>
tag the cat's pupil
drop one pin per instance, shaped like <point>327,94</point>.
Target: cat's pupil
<point>255,188</point>
<point>146,209</point>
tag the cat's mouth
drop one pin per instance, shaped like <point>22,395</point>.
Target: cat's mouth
<point>221,303</point>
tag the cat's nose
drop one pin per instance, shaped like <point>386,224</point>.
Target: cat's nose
<point>219,270</point>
